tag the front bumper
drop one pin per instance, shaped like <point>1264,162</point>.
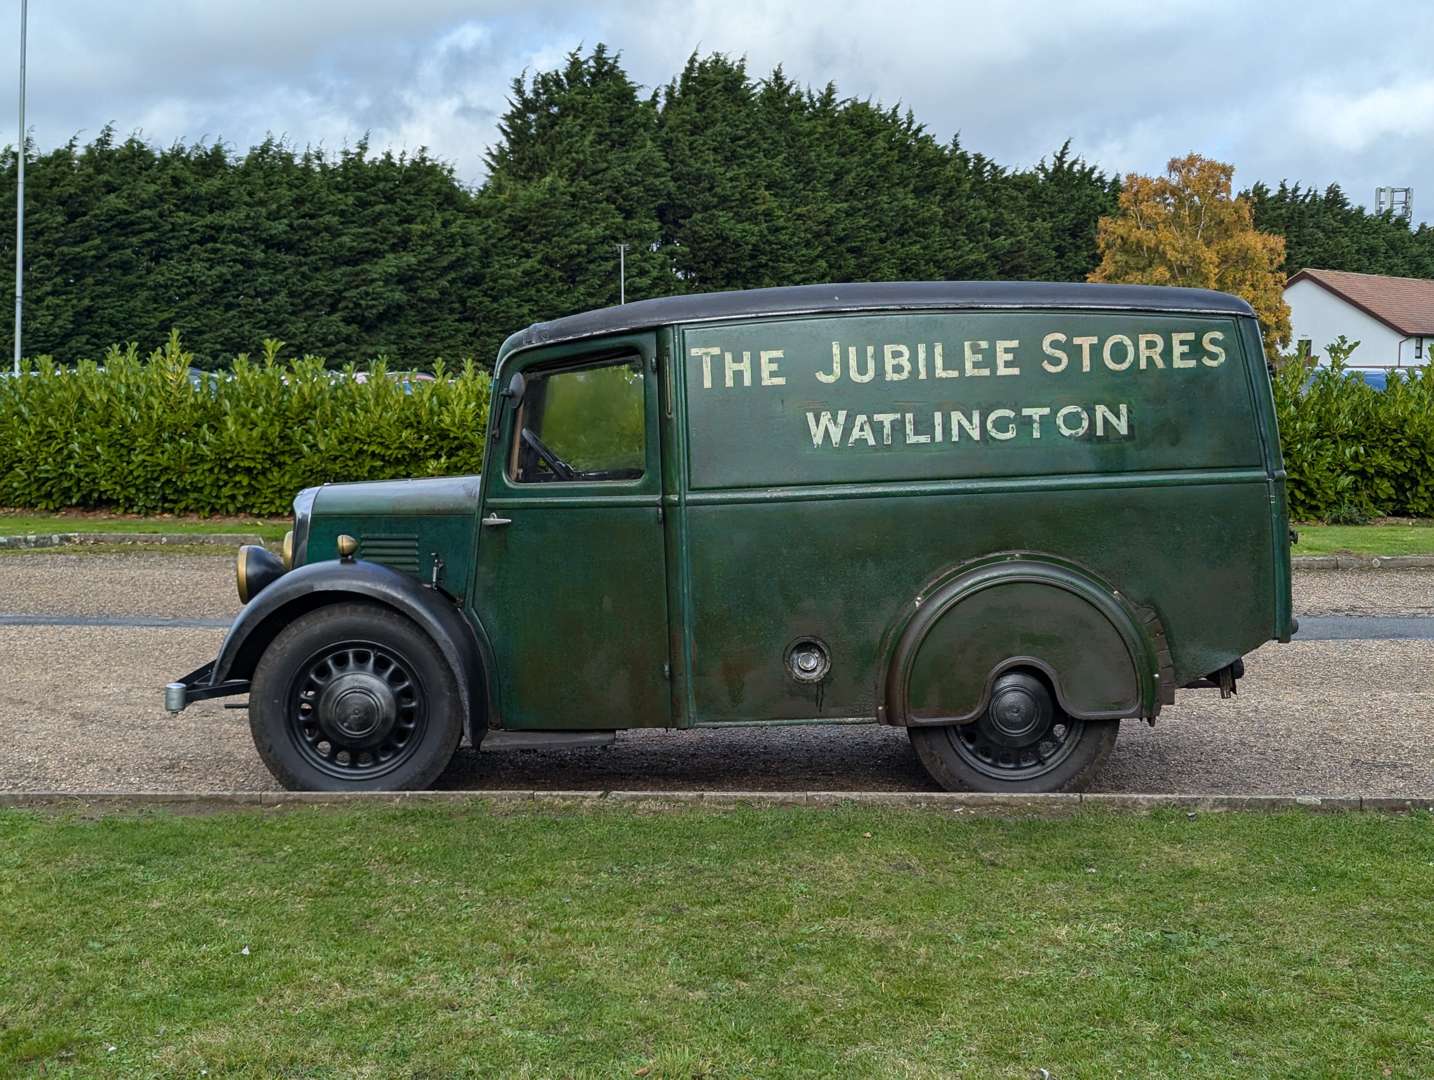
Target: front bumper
<point>199,685</point>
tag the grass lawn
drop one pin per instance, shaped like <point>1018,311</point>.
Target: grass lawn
<point>1392,539</point>
<point>435,941</point>
<point>22,523</point>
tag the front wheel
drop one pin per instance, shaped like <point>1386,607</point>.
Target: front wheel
<point>1022,743</point>
<point>354,697</point>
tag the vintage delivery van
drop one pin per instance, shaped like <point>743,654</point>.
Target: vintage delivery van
<point>1003,516</point>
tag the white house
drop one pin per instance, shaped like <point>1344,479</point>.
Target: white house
<point>1392,318</point>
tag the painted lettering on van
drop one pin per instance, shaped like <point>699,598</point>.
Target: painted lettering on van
<point>894,361</point>
<point>830,429</point>
<point>1056,354</point>
<point>734,369</point>
<point>1119,352</point>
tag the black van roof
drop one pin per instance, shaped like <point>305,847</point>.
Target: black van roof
<point>872,296</point>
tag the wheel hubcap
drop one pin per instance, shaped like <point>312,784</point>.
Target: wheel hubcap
<point>1021,735</point>
<point>358,708</point>
<point>1018,714</point>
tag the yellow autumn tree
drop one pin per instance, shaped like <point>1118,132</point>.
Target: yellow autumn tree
<point>1185,228</point>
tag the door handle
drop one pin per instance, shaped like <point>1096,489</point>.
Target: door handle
<point>493,520</point>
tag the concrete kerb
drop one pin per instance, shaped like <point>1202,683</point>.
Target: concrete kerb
<point>1363,562</point>
<point>49,540</point>
<point>1058,805</point>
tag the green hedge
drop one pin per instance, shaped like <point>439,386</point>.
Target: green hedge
<point>1353,452</point>
<point>144,437</point>
<point>141,436</point>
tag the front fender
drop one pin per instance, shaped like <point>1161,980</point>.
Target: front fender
<point>317,584</point>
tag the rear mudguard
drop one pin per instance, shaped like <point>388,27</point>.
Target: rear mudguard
<point>1104,656</point>
<point>318,584</point>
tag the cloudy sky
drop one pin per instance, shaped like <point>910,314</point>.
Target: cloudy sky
<point>1321,91</point>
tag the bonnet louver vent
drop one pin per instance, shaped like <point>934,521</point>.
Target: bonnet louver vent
<point>399,552</point>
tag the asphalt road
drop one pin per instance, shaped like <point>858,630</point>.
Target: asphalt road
<point>80,703</point>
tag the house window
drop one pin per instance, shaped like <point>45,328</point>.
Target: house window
<point>1419,348</point>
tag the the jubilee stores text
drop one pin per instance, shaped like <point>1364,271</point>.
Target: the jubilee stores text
<point>1057,353</point>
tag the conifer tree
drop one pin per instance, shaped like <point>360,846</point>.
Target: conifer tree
<point>727,222</point>
<point>576,171</point>
<point>1324,229</point>
<point>718,180</point>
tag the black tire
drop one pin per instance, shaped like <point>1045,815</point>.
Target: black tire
<point>1043,751</point>
<point>354,697</point>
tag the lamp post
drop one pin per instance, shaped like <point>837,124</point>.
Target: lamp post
<point>622,273</point>
<point>20,195</point>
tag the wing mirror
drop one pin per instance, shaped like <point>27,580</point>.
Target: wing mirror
<point>517,387</point>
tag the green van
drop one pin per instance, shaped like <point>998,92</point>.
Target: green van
<point>1005,516</point>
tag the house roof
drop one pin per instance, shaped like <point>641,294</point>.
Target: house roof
<point>1405,305</point>
<point>874,296</point>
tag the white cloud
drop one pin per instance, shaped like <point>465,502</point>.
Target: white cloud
<point>1354,123</point>
<point>456,93</point>
<point>1314,90</point>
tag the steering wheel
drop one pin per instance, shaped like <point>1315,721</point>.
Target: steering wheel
<point>560,468</point>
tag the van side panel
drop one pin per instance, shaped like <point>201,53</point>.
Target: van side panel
<point>1155,479</point>
<point>844,569</point>
<point>880,398</point>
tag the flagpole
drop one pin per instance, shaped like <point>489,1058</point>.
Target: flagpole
<point>20,195</point>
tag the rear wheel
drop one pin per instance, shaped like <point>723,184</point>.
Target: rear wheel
<point>1022,743</point>
<point>354,697</point>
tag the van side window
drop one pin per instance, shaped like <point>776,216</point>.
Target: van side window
<point>581,425</point>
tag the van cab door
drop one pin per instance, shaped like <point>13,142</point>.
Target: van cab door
<point>571,569</point>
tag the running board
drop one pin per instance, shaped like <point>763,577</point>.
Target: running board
<point>546,740</point>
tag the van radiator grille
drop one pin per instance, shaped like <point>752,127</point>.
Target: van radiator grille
<point>399,552</point>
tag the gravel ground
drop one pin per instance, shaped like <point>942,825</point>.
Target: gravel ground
<point>1365,592</point>
<point>80,708</point>
<point>76,584</point>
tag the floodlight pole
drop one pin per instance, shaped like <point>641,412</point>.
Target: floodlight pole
<point>20,195</point>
